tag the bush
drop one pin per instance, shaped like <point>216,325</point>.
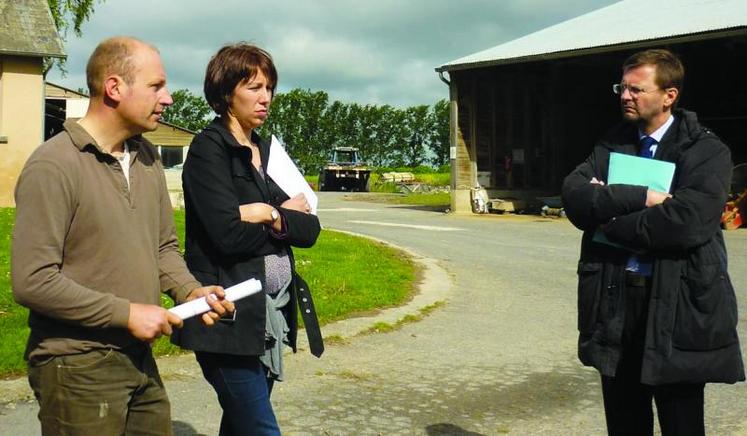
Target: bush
<point>382,170</point>
<point>420,169</point>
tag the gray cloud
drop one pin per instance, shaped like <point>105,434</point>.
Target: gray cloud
<point>365,51</point>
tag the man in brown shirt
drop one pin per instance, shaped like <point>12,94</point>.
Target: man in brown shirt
<point>93,245</point>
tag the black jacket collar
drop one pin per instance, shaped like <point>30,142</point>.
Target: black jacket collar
<point>245,152</point>
<point>682,134</point>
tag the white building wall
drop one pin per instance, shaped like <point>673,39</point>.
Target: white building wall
<point>76,107</point>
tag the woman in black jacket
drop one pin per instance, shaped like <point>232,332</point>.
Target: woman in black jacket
<point>241,225</point>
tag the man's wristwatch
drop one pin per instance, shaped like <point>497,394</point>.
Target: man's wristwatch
<point>274,214</point>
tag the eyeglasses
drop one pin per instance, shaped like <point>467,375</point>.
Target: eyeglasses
<point>619,89</point>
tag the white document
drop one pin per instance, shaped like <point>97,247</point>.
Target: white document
<point>199,306</point>
<point>284,172</point>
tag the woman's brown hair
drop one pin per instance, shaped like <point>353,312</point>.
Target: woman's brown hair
<point>234,64</point>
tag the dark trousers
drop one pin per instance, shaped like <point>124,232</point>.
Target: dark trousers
<point>101,392</point>
<point>243,390</point>
<point>627,402</point>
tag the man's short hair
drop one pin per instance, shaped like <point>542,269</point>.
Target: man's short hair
<point>231,65</point>
<point>112,56</point>
<point>669,70</point>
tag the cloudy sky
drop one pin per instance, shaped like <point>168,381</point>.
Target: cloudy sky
<point>364,51</point>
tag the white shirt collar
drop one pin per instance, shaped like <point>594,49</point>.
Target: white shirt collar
<point>659,133</point>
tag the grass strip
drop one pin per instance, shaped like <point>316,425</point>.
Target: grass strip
<point>385,327</point>
<point>347,275</point>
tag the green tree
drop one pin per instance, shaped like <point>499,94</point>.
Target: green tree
<point>362,124</point>
<point>188,111</point>
<point>335,130</point>
<point>295,118</point>
<point>438,140</point>
<point>67,15</point>
<point>310,127</point>
<point>418,125</point>
<point>391,133</point>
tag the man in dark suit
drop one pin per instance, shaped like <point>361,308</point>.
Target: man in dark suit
<point>657,318</point>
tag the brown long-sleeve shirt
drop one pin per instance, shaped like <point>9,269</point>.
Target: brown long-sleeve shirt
<point>85,244</point>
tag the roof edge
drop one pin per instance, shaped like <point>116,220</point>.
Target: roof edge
<point>687,37</point>
<point>177,127</point>
<point>33,54</point>
<point>57,85</point>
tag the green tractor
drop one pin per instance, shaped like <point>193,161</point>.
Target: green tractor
<point>345,172</point>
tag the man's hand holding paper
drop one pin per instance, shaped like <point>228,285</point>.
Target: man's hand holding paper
<point>215,297</point>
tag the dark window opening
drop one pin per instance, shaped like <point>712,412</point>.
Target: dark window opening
<point>54,117</point>
<point>171,156</point>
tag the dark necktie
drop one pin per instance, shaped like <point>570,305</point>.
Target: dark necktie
<point>646,149</point>
<point>642,264</point>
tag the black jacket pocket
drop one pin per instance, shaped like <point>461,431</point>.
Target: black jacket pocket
<point>589,295</point>
<point>706,315</point>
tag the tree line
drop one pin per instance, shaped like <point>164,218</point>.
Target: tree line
<point>305,121</point>
<point>310,127</point>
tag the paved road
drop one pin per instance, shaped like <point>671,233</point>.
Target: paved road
<point>498,358</point>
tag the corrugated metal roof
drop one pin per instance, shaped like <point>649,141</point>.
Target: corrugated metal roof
<point>27,29</point>
<point>616,25</point>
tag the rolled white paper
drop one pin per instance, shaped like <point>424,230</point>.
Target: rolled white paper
<point>200,306</point>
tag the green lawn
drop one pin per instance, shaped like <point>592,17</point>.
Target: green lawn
<point>347,275</point>
<point>312,180</point>
<point>13,329</point>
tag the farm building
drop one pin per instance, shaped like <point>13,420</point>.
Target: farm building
<point>27,36</point>
<point>525,113</point>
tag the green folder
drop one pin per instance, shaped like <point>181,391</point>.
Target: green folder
<point>634,170</point>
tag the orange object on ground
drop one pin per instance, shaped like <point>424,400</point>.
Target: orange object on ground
<point>732,217</point>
